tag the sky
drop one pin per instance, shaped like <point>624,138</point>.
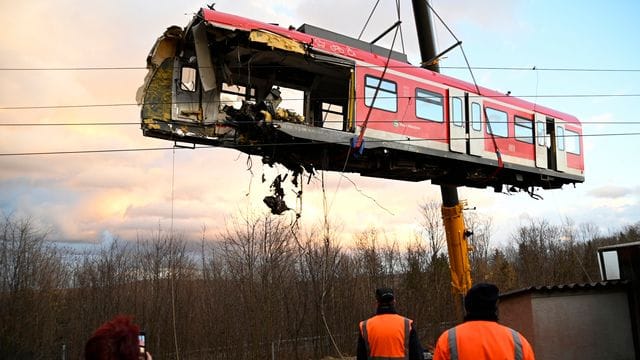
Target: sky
<point>80,62</point>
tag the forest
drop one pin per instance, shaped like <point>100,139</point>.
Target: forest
<point>262,289</point>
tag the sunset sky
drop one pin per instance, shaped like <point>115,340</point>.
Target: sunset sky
<point>76,63</point>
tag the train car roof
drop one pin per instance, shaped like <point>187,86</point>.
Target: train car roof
<point>234,22</point>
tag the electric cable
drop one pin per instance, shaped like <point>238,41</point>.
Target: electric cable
<point>471,96</point>
<point>239,146</point>
<point>502,68</point>
<point>418,121</point>
<point>172,249</point>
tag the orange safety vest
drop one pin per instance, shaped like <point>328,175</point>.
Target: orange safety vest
<point>386,336</point>
<point>480,340</point>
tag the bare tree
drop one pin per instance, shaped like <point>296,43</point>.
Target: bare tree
<point>32,273</point>
<point>480,228</point>
<point>432,232</point>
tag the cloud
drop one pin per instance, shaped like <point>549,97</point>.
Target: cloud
<point>88,197</point>
<point>613,192</point>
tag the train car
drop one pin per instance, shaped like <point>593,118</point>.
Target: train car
<point>311,99</point>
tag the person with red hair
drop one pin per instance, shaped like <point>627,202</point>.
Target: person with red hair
<point>116,339</point>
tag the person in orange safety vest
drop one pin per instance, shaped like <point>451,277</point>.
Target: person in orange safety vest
<point>480,336</point>
<point>387,335</point>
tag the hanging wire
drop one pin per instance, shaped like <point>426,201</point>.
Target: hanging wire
<point>239,147</point>
<point>326,238</point>
<point>171,247</point>
<point>458,41</point>
<point>368,19</point>
<point>505,68</point>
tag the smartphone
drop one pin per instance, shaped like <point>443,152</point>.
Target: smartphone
<point>141,342</point>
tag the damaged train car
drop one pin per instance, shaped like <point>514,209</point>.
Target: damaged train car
<point>311,99</point>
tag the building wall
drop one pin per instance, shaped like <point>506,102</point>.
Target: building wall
<point>516,313</point>
<point>582,325</point>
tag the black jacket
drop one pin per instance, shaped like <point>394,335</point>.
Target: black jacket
<point>415,349</point>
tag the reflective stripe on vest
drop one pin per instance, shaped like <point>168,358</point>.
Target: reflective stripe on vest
<point>365,336</point>
<point>517,345</point>
<point>453,346</point>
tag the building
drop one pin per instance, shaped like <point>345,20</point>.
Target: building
<point>583,321</point>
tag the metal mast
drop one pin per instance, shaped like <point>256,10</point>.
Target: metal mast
<point>452,208</point>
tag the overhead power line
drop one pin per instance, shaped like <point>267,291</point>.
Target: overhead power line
<point>72,124</point>
<point>416,121</point>
<point>86,151</point>
<point>79,68</point>
<point>36,107</point>
<point>502,68</point>
<point>277,144</point>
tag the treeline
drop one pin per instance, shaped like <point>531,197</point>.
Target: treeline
<point>261,290</point>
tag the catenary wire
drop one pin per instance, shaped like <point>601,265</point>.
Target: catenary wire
<point>471,96</point>
<point>238,146</point>
<point>417,121</point>
<point>504,68</point>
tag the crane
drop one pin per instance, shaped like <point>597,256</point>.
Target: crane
<point>452,207</point>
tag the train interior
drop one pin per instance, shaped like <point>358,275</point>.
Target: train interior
<point>262,74</point>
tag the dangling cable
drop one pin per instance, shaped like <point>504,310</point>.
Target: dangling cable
<point>325,267</point>
<point>172,278</point>
<point>360,138</point>
<point>249,168</point>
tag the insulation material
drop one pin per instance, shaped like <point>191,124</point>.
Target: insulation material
<point>276,41</point>
<point>157,95</point>
<point>164,48</point>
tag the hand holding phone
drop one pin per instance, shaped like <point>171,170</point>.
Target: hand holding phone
<point>141,342</point>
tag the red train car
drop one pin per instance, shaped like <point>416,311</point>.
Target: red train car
<point>302,97</point>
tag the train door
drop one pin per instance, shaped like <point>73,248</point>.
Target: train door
<point>561,149</point>
<point>541,141</point>
<point>476,136</point>
<point>552,163</point>
<point>457,121</point>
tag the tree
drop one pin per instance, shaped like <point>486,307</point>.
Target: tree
<point>479,244</point>
<point>32,272</point>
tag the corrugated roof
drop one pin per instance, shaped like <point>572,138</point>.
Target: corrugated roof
<point>594,286</point>
<point>618,246</point>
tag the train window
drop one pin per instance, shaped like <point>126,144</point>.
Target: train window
<point>560,138</point>
<point>456,111</point>
<point>476,116</point>
<point>188,79</point>
<point>332,116</point>
<point>387,97</point>
<point>497,121</point>
<point>572,142</point>
<point>524,129</point>
<point>540,133</point>
<point>429,105</point>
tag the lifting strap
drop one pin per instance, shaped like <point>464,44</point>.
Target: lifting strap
<point>359,141</point>
<point>495,144</point>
